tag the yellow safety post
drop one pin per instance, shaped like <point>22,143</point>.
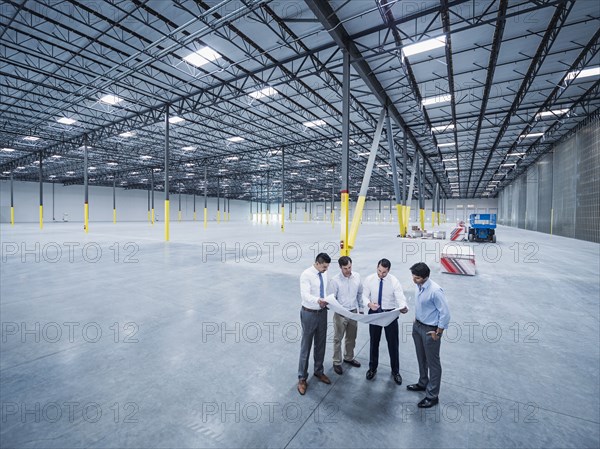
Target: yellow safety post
<point>179,216</point>
<point>153,218</point>
<point>432,219</point>
<point>167,219</point>
<point>422,217</point>
<point>114,215</point>
<point>205,217</point>
<point>12,216</point>
<point>333,219</point>
<point>41,217</point>
<point>356,219</point>
<point>345,247</point>
<point>194,215</point>
<point>86,217</point>
<point>218,216</point>
<point>282,218</point>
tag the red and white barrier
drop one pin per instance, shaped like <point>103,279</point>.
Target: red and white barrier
<point>458,260</point>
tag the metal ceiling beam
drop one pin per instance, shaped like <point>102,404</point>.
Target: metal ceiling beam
<point>552,31</point>
<point>330,22</point>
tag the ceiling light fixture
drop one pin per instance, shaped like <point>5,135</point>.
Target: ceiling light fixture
<point>266,92</point>
<point>66,121</point>
<point>31,138</point>
<point>202,57</point>
<point>127,134</point>
<point>175,119</point>
<point>555,113</point>
<point>444,145</point>
<point>594,71</point>
<point>437,99</point>
<point>236,139</point>
<point>110,99</point>
<point>314,123</point>
<point>443,128</point>
<point>420,47</point>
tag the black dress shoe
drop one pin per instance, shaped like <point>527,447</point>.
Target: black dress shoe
<point>353,362</point>
<point>338,369</point>
<point>428,402</point>
<point>397,378</point>
<point>415,387</point>
<point>371,374</point>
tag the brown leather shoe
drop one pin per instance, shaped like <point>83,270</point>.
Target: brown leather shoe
<point>353,362</point>
<point>323,378</point>
<point>302,385</point>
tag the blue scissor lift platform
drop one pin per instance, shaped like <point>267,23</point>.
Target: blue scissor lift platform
<point>482,228</point>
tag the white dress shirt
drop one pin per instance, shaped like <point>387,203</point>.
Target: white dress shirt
<point>310,287</point>
<point>392,295</point>
<point>347,290</point>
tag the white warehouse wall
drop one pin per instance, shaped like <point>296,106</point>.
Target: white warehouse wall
<point>132,205</point>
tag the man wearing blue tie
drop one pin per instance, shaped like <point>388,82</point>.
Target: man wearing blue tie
<point>382,292</point>
<point>313,318</point>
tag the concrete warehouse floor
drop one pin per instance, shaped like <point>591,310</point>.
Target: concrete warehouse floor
<point>116,339</point>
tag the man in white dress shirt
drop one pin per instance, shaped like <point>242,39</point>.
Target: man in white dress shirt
<point>313,317</point>
<point>382,292</point>
<point>347,289</point>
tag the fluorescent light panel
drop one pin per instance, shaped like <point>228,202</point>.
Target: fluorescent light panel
<point>8,150</point>
<point>127,134</point>
<point>554,113</point>
<point>31,138</point>
<point>202,57</point>
<point>594,71</point>
<point>437,99</point>
<point>533,135</point>
<point>420,47</point>
<point>266,92</point>
<point>314,123</point>
<point>444,145</point>
<point>176,119</point>
<point>443,128</point>
<point>189,148</point>
<point>236,139</point>
<point>66,121</point>
<point>110,99</point>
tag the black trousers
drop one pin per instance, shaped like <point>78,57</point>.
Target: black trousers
<point>391,336</point>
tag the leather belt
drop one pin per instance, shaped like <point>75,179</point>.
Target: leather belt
<point>423,324</point>
<point>312,310</point>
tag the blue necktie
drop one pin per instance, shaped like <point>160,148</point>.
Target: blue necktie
<point>322,287</point>
<point>380,292</point>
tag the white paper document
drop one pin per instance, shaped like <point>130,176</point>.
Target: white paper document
<point>379,319</point>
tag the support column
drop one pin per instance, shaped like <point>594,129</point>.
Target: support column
<point>333,198</point>
<point>218,200</point>
<point>364,188</point>
<point>152,194</point>
<point>261,204</point>
<point>434,204</point>
<point>421,193</point>
<point>403,186</point>
<point>41,193</point>
<point>148,191</point>
<point>397,190</point>
<point>86,209</point>
<point>344,190</point>
<point>12,200</point>
<point>380,195</point>
<point>167,161</point>
<point>179,210</point>
<point>205,197</point>
<point>53,217</point>
<point>282,190</point>
<point>268,196</point>
<point>194,195</point>
<point>114,199</point>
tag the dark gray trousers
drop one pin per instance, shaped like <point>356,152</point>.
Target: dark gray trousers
<point>428,355</point>
<point>314,327</point>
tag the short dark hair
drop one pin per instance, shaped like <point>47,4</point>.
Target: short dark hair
<point>420,269</point>
<point>344,260</point>
<point>385,263</point>
<point>322,258</point>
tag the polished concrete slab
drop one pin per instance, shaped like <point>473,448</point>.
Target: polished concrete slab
<point>116,339</point>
